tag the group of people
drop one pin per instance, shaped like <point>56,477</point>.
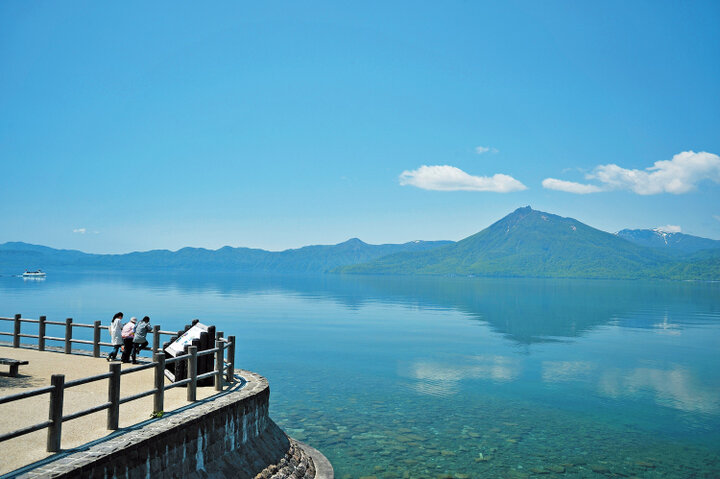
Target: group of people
<point>131,337</point>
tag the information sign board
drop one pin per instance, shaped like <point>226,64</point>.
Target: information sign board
<point>177,347</point>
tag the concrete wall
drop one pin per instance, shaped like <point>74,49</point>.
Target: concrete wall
<point>225,436</point>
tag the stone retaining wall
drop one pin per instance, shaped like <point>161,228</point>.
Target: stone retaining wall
<point>229,435</point>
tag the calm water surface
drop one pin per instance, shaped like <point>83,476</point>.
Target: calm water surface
<point>451,377</point>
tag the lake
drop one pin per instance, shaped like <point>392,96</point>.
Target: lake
<point>399,377</point>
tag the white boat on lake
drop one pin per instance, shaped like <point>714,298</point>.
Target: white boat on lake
<point>34,274</point>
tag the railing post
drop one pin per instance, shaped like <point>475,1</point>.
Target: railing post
<point>231,359</point>
<point>55,416</point>
<point>199,364</point>
<point>159,397</point>
<point>41,333</point>
<point>192,374</point>
<point>204,344</point>
<point>68,335</point>
<point>156,338</point>
<point>219,355</point>
<point>16,331</point>
<point>113,414</point>
<point>96,339</point>
<point>218,335</point>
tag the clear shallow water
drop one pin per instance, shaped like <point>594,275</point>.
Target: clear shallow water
<point>451,377</point>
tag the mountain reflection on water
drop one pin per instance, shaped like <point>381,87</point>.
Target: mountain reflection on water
<point>523,310</point>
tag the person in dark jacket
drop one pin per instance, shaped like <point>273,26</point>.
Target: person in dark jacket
<point>140,340</point>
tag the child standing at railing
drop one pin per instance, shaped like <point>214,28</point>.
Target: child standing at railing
<point>116,339</point>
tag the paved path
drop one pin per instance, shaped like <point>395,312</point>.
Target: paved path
<point>31,447</point>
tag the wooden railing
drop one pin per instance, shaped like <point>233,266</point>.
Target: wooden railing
<point>68,339</point>
<point>223,347</point>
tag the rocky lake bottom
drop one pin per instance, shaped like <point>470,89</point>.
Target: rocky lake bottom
<point>486,438</point>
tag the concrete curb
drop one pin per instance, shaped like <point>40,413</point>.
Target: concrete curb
<point>323,468</point>
<point>223,436</point>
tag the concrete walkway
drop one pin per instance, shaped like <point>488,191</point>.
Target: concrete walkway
<point>29,448</point>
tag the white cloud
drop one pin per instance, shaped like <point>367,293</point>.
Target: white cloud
<point>441,379</point>
<point>676,388</point>
<point>677,176</point>
<point>669,229</point>
<point>484,149</point>
<point>81,231</point>
<point>449,178</point>
<point>564,371</point>
<point>569,186</point>
<point>717,217</point>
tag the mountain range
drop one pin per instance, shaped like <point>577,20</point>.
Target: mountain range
<point>532,243</point>
<point>525,243</point>
<point>16,257</point>
<point>674,243</point>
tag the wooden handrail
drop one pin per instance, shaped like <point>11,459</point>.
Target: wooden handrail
<point>177,358</point>
<point>181,382</point>
<point>53,338</point>
<point>24,430</point>
<point>208,374</point>
<point>25,394</point>
<point>137,396</point>
<point>89,379</point>
<point>85,412</point>
<point>137,368</point>
<point>68,339</point>
<point>58,385</point>
<point>80,325</point>
<point>24,320</point>
<point>205,352</point>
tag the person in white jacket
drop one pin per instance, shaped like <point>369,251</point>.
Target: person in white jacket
<point>115,336</point>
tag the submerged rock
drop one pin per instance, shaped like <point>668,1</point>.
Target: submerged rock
<point>540,470</point>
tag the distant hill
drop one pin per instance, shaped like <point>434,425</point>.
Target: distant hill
<point>525,243</point>
<point>537,244</point>
<point>16,257</point>
<point>674,243</point>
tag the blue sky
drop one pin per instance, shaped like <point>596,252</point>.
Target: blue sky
<point>142,125</point>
